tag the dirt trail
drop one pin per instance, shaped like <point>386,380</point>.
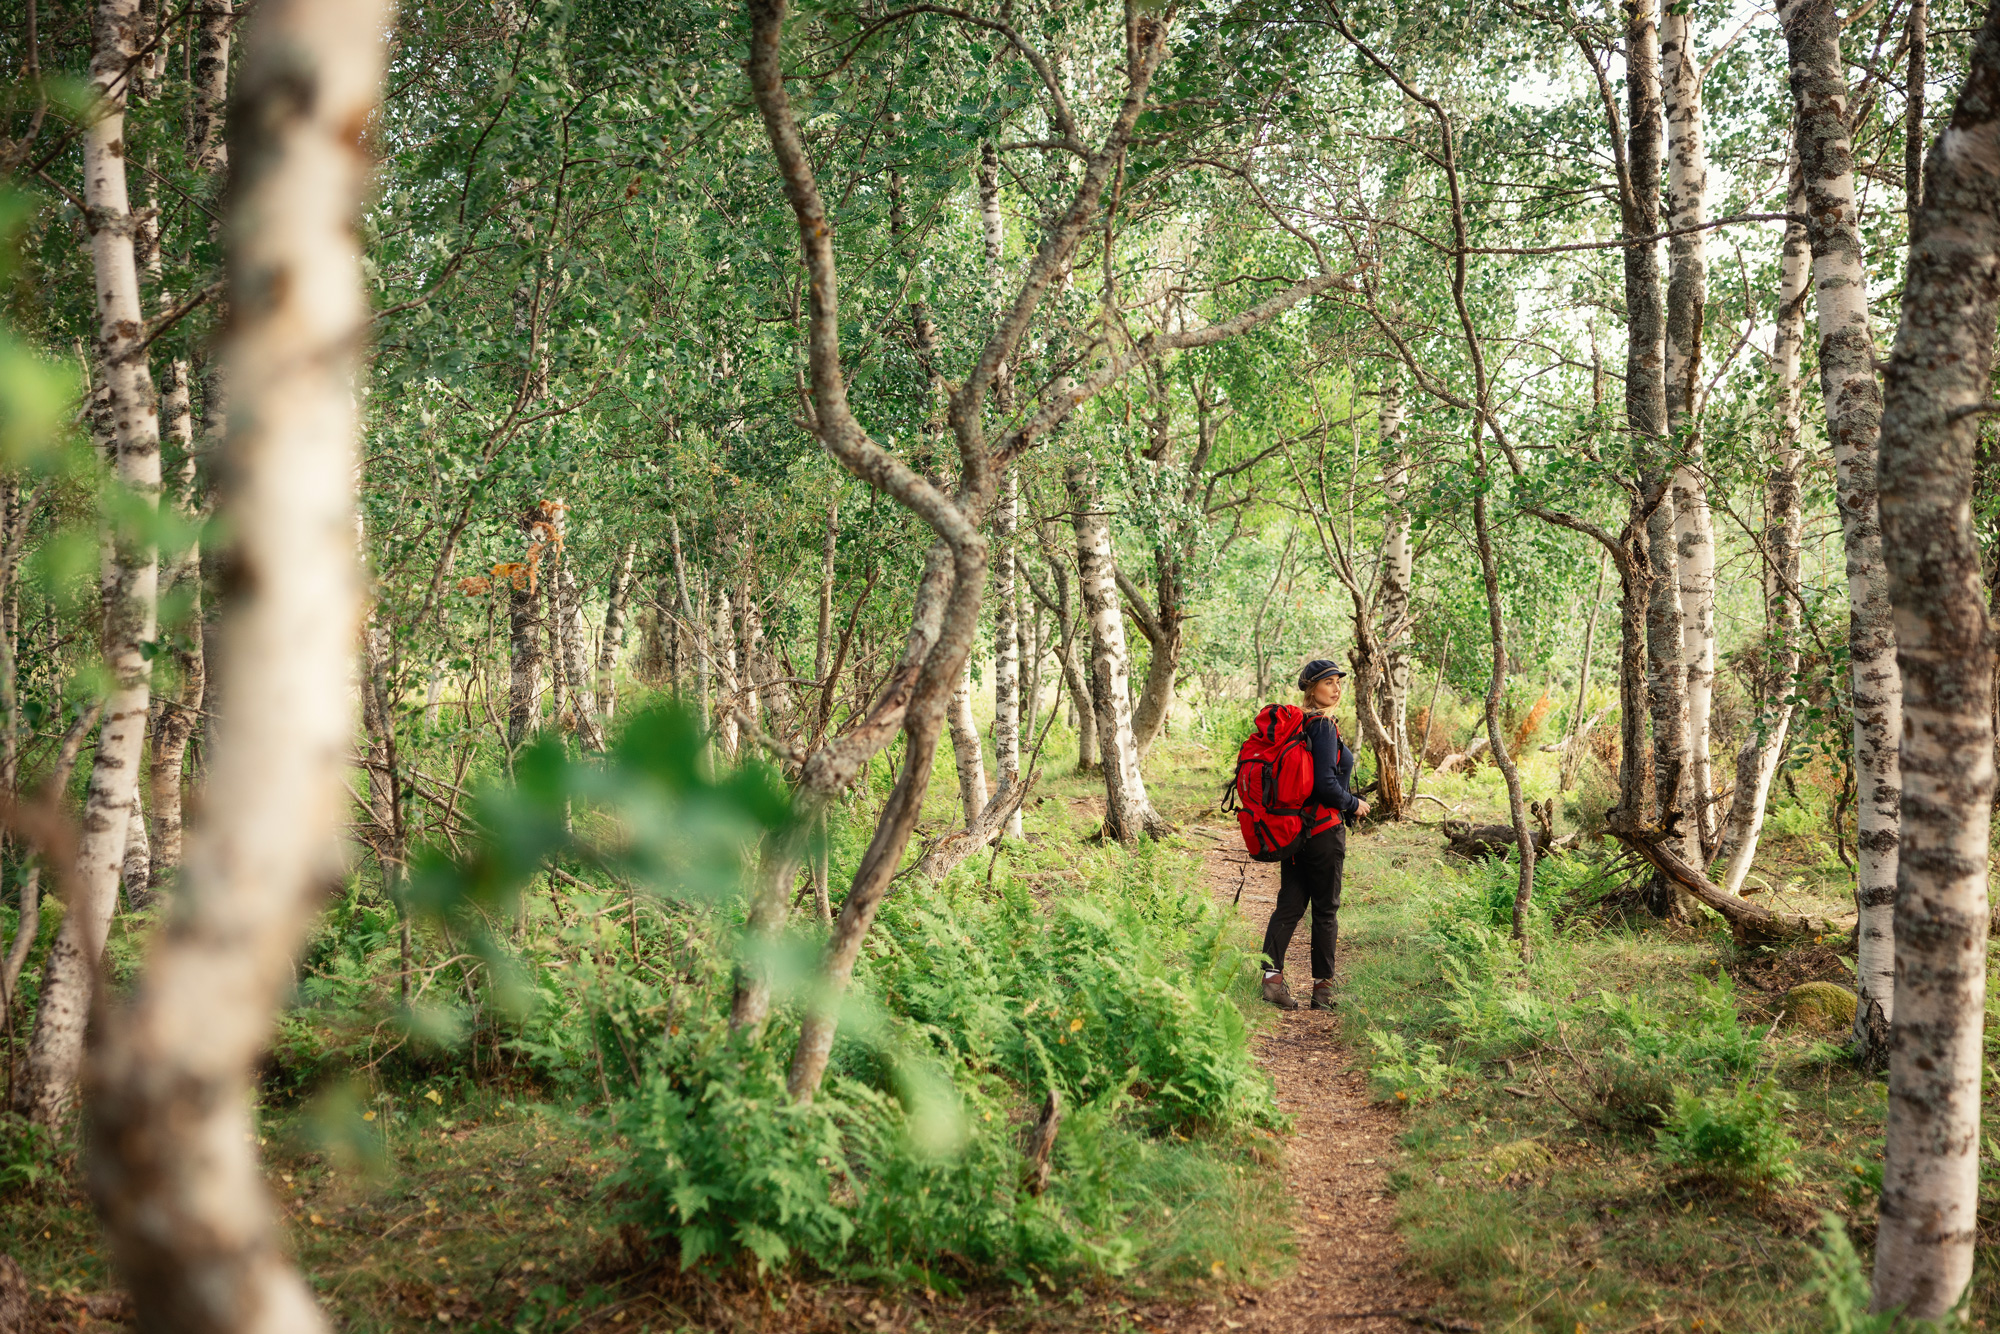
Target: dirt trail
<point>1337,1160</point>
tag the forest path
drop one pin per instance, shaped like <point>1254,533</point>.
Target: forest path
<point>1337,1159</point>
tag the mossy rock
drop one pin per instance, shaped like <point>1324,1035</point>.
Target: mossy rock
<point>1820,1006</point>
<point>1525,1156</point>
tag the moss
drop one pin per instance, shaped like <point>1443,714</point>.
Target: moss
<point>1820,1006</point>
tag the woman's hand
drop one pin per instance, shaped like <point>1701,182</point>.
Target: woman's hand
<point>1361,811</point>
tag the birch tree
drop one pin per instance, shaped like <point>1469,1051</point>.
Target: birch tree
<point>174,1168</point>
<point>1128,810</point>
<point>1777,667</point>
<point>1687,300</point>
<point>956,516</point>
<point>1938,385</point>
<point>1853,418</point>
<point>55,1052</point>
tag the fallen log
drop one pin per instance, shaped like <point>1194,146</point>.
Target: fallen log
<point>945,854</point>
<point>1489,842</point>
<point>1750,923</point>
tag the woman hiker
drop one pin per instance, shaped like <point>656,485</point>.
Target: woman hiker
<point>1312,874</point>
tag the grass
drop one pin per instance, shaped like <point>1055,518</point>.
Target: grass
<point>1556,1211</point>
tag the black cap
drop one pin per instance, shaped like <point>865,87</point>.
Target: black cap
<point>1318,669</point>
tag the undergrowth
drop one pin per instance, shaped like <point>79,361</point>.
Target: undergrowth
<point>1604,1130</point>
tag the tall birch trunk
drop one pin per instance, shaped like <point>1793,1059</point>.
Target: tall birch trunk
<point>615,610</point>
<point>1938,384</point>
<point>177,716</point>
<point>1128,810</point>
<point>55,1052</point>
<point>1646,416</point>
<point>1069,660</point>
<point>1006,601</point>
<point>174,1167</point>
<point>1687,299</point>
<point>1853,418</point>
<point>1392,601</point>
<point>1758,758</point>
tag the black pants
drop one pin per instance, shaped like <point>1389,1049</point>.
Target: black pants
<point>1312,874</point>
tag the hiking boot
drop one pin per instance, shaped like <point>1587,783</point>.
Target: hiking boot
<point>1276,992</point>
<point>1322,994</point>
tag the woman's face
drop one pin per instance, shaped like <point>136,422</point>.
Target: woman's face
<point>1324,693</point>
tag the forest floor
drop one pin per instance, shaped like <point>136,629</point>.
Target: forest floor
<point>1443,1160</point>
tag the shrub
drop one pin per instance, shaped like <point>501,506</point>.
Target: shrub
<point>1736,1136</point>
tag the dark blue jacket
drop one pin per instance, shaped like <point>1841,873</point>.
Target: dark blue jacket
<point>1333,766</point>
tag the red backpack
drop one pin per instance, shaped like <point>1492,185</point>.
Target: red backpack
<point>1272,793</point>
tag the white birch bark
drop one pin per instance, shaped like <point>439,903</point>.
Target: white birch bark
<point>1006,602</point>
<point>1853,417</point>
<point>1757,759</point>
<point>1128,810</point>
<point>965,747</point>
<point>1687,298</point>
<point>55,1052</point>
<point>1938,380</point>
<point>174,1163</point>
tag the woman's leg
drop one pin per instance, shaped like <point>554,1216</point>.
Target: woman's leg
<point>1323,859</point>
<point>1285,916</point>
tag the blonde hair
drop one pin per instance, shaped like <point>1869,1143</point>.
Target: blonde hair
<point>1312,710</point>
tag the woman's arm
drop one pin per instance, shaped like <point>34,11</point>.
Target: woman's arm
<point>1329,784</point>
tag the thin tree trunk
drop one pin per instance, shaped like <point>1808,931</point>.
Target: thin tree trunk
<point>1764,748</point>
<point>1687,299</point>
<point>1853,418</point>
<point>616,598</point>
<point>524,657</point>
<point>1938,382</point>
<point>727,686</point>
<point>823,642</point>
<point>28,926</point>
<point>1573,747</point>
<point>1430,718</point>
<point>137,865</point>
<point>1128,810</point>
<point>174,1163</point>
<point>1392,600</point>
<point>1006,602</point>
<point>567,599</point>
<point>1068,659</point>
<point>1496,685</point>
<point>965,748</point>
<point>178,715</point>
<point>55,1053</point>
